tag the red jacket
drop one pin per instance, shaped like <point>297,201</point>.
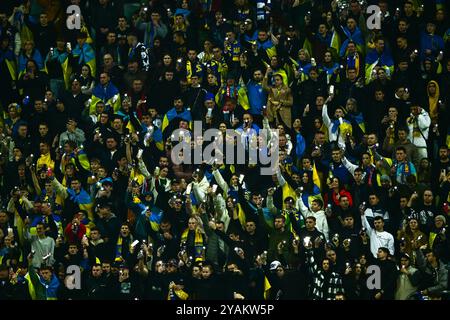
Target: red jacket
<point>335,199</point>
<point>74,237</point>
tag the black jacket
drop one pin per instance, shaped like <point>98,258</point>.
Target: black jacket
<point>388,275</point>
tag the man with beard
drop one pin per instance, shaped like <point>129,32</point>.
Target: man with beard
<point>257,97</point>
<point>95,285</point>
<point>165,92</point>
<point>425,211</point>
<point>350,235</point>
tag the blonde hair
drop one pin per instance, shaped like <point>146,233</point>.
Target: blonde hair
<point>306,52</point>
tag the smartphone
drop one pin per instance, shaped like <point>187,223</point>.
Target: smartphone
<point>139,153</point>
<point>135,242</point>
<point>214,188</point>
<point>241,178</point>
<point>331,90</point>
<point>306,240</point>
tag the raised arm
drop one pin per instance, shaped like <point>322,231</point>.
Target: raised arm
<point>266,126</point>
<point>143,169</point>
<point>198,192</point>
<point>349,166</point>
<point>366,224</point>
<point>221,210</point>
<point>220,181</point>
<point>280,178</point>
<point>59,188</point>
<point>325,117</point>
<point>34,178</point>
<point>301,206</point>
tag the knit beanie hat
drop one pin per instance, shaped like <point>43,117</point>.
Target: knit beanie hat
<point>441,217</point>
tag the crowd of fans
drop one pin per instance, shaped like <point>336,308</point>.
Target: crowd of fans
<point>91,98</point>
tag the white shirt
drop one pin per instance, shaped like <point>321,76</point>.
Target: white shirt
<point>378,239</point>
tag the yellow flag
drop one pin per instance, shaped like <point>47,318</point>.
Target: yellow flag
<point>316,178</point>
<point>267,287</point>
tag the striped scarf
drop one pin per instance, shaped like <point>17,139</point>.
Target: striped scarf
<point>119,247</point>
<point>198,243</point>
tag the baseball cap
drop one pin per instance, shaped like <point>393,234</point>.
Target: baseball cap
<point>274,265</point>
<point>172,262</point>
<point>290,28</point>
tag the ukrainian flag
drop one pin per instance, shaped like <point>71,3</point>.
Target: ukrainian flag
<point>67,71</point>
<point>335,42</point>
<point>23,62</point>
<point>63,59</point>
<point>85,55</point>
<point>155,218</point>
<point>172,114</point>
<point>316,178</point>
<point>268,46</point>
<point>109,95</point>
<point>83,200</point>
<point>158,138</point>
<point>82,159</point>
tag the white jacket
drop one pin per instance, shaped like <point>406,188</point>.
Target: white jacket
<point>333,136</point>
<point>321,218</point>
<point>200,189</point>
<point>378,239</point>
<point>423,122</point>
